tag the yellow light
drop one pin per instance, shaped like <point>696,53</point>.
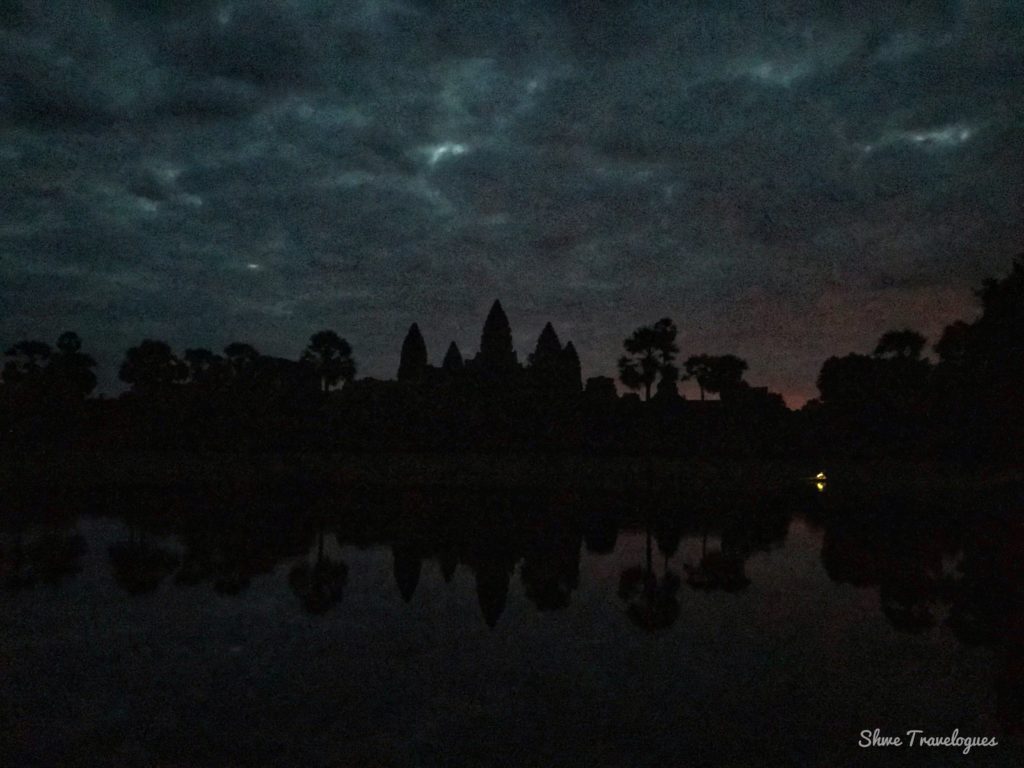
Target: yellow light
<point>820,486</point>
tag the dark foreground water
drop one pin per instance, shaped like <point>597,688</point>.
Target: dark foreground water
<point>533,629</point>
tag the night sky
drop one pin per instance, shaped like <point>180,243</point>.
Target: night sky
<point>786,180</point>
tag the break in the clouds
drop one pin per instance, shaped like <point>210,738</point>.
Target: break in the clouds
<point>785,179</point>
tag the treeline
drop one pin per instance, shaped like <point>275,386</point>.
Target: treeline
<point>969,404</point>
<point>893,401</point>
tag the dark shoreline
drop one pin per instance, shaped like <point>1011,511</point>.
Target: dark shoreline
<point>79,470</point>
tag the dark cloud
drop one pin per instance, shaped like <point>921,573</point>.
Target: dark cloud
<point>787,179</point>
<point>262,43</point>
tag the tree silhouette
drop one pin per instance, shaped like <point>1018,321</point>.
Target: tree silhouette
<point>884,397</point>
<point>69,343</point>
<point>70,369</point>
<point>726,374</point>
<point>995,344</point>
<point>23,372</point>
<point>151,367</point>
<point>982,368</point>
<point>849,382</point>
<point>905,344</point>
<point>952,346</point>
<point>38,378</point>
<point>330,356</point>
<point>242,358</point>
<point>206,369</point>
<point>27,361</point>
<point>668,384</point>
<point>413,363</point>
<point>698,368</point>
<point>715,373</point>
<point>651,349</point>
<point>992,347</point>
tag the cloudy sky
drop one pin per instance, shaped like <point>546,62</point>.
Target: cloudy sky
<point>786,180</point>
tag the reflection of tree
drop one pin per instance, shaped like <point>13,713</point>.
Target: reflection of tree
<point>911,591</point>
<point>653,601</point>
<point>38,539</point>
<point>233,538</point>
<point>988,593</point>
<point>15,567</point>
<point>216,559</point>
<point>667,534</point>
<point>1010,682</point>
<point>321,584</point>
<point>57,554</point>
<point>48,556</point>
<point>551,567</point>
<point>903,552</point>
<point>902,557</point>
<point>139,564</point>
<point>988,607</point>
<point>723,569</point>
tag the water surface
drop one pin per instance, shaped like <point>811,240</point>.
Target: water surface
<point>423,628</point>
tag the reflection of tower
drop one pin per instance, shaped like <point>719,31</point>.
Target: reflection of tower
<point>550,568</point>
<point>449,561</point>
<point>492,578</point>
<point>407,564</point>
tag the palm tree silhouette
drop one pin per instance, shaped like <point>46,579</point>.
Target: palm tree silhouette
<point>321,584</point>
<point>653,602</point>
<point>650,352</point>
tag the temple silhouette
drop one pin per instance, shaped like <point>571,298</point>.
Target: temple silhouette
<point>893,401</point>
<point>551,367</point>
